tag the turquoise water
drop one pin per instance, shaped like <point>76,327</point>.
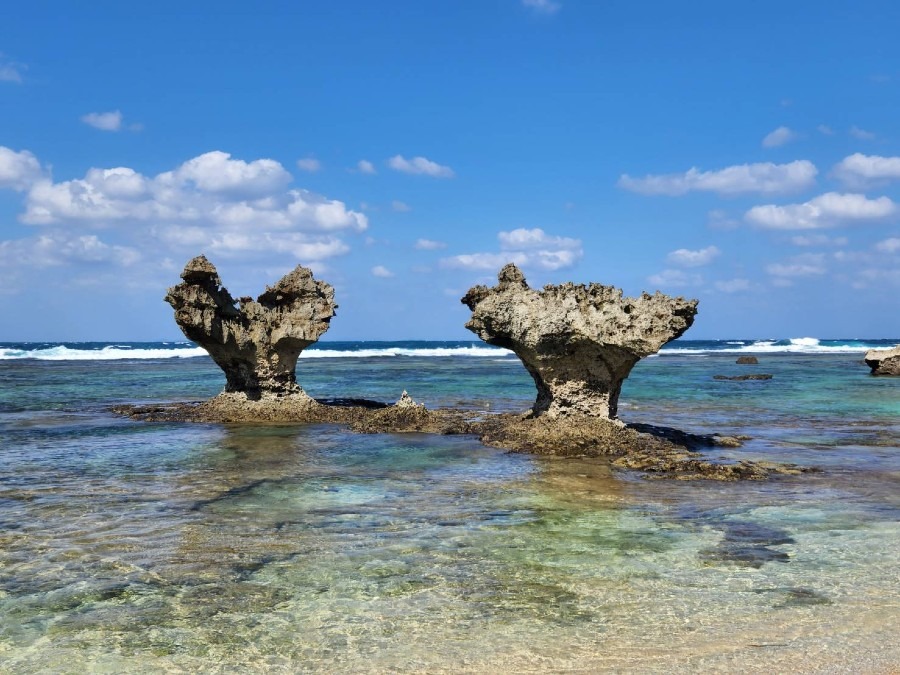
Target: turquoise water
<point>133,547</point>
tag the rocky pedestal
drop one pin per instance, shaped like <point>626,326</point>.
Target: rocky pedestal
<point>884,361</point>
<point>256,343</point>
<point>578,342</point>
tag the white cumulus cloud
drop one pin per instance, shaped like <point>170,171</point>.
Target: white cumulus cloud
<point>831,209</point>
<point>524,247</point>
<point>763,178</point>
<point>686,258</point>
<point>217,172</point>
<point>779,137</point>
<point>421,166</point>
<point>859,170</point>
<point>105,121</point>
<point>818,240</point>
<point>18,170</point>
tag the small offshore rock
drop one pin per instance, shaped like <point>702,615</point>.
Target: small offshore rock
<point>742,378</point>
<point>884,361</point>
<point>747,361</point>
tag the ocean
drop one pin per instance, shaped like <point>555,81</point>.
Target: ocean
<point>174,547</point>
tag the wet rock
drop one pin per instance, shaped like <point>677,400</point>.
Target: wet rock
<point>577,342</point>
<point>884,361</point>
<point>257,343</point>
<point>747,360</point>
<point>742,378</point>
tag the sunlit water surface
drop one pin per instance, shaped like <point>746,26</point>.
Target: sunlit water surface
<point>133,547</point>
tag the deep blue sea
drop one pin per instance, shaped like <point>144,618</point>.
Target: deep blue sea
<point>170,547</point>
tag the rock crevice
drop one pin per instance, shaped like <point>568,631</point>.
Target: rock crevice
<point>577,342</point>
<point>255,342</point>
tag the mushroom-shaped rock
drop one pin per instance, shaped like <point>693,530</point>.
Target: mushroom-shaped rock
<point>884,361</point>
<point>256,344</point>
<point>578,342</point>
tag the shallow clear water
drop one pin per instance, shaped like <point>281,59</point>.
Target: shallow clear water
<point>182,547</point>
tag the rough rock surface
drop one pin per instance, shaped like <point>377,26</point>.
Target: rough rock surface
<point>747,361</point>
<point>884,361</point>
<point>257,344</point>
<point>578,342</point>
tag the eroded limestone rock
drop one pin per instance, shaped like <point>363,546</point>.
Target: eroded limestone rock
<point>578,342</point>
<point>884,361</point>
<point>258,342</point>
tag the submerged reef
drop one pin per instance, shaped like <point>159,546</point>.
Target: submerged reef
<point>258,343</point>
<point>577,342</point>
<point>884,361</point>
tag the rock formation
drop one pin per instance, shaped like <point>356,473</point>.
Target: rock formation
<point>578,342</point>
<point>747,361</point>
<point>257,344</point>
<point>884,361</point>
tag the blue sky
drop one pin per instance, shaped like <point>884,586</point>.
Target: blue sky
<point>746,154</point>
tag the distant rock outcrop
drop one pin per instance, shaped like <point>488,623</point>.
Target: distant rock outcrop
<point>743,378</point>
<point>257,344</point>
<point>884,361</point>
<point>578,342</point>
<point>747,361</point>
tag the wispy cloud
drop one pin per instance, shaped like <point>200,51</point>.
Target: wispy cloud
<point>543,6</point>
<point>10,71</point>
<point>862,134</point>
<point>104,121</point>
<point>670,278</point>
<point>382,272</point>
<point>763,178</point>
<point>420,166</point>
<point>831,209</point>
<point>806,265</point>
<point>736,285</point>
<point>309,164</point>
<point>686,258</point>
<point>779,137</point>
<point>401,207</point>
<point>429,244</point>
<point>365,166</point>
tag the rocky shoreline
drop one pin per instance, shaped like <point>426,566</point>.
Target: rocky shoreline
<point>658,452</point>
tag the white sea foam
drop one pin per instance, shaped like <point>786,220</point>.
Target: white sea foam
<point>109,353</point>
<point>119,352</point>
<point>804,345</point>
